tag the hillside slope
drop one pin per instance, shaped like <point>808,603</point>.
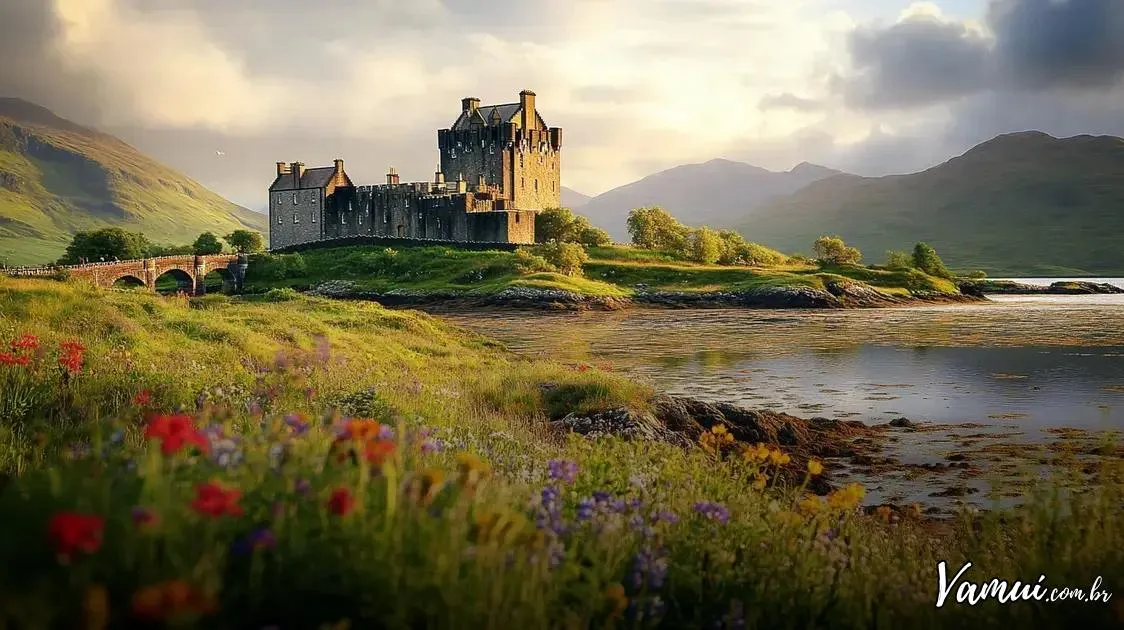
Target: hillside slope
<point>718,193</point>
<point>573,199</point>
<point>57,178</point>
<point>1024,203</point>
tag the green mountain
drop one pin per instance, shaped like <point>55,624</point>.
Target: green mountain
<point>57,178</point>
<point>1019,204</point>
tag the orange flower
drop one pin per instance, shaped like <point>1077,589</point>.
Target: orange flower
<point>9,358</point>
<point>361,430</point>
<point>71,532</point>
<point>27,342</point>
<point>171,599</point>
<point>175,432</point>
<point>211,499</point>
<point>378,451</point>
<point>341,502</point>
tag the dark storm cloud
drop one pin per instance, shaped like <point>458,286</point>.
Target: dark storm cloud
<point>29,66</point>
<point>1038,45</point>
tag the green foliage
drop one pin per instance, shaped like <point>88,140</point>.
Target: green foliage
<point>562,225</point>
<point>831,250</point>
<point>283,294</point>
<point>274,267</point>
<point>568,258</point>
<point>207,244</point>
<point>169,250</point>
<point>978,274</point>
<point>706,246</point>
<point>245,241</point>
<point>926,259</point>
<point>655,228</point>
<point>107,244</point>
<point>898,260</point>
<point>527,262</point>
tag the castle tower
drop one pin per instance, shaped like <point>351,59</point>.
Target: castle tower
<point>510,147</point>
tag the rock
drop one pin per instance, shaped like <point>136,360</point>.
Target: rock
<point>622,422</point>
<point>901,423</point>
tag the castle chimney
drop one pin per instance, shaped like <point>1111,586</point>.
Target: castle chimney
<point>528,120</point>
<point>282,169</point>
<point>481,183</point>
<point>297,169</point>
<point>462,186</point>
<point>470,104</point>
<point>392,176</point>
<point>438,177</point>
<point>339,167</point>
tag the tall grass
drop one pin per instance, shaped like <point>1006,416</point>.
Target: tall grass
<point>459,510</point>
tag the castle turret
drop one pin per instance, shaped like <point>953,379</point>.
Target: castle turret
<point>527,105</point>
<point>392,176</point>
<point>339,167</point>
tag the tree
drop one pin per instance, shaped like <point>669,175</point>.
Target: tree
<point>563,226</point>
<point>654,228</point>
<point>245,241</point>
<point>169,250</point>
<point>831,250</point>
<point>898,260</point>
<point>582,231</point>
<point>705,246</point>
<point>926,259</point>
<point>105,244</point>
<point>567,257</point>
<point>207,244</point>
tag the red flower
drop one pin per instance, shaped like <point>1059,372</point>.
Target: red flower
<point>71,532</point>
<point>341,502</point>
<point>142,399</point>
<point>29,343</point>
<point>175,432</point>
<point>71,353</point>
<point>213,500</point>
<point>8,358</point>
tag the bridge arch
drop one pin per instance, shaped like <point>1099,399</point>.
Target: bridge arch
<point>127,281</point>
<point>174,280</point>
<point>217,278</point>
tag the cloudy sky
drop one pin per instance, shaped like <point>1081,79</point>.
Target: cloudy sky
<point>869,86</point>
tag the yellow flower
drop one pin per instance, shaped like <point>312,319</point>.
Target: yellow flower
<point>493,526</point>
<point>815,467</point>
<point>779,458</point>
<point>847,498</point>
<point>425,485</point>
<point>788,517</point>
<point>759,481</point>
<point>472,470</point>
<point>95,608</point>
<point>810,504</point>
<point>616,600</point>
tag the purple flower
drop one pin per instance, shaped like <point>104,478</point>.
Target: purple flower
<point>302,486</point>
<point>585,509</point>
<point>260,538</point>
<point>665,516</point>
<point>296,423</point>
<point>713,511</point>
<point>563,470</point>
<point>649,570</point>
<point>385,432</point>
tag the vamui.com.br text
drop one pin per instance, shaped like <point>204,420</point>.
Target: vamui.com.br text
<point>962,589</point>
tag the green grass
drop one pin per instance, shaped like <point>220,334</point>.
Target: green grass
<point>471,554</point>
<point>611,272</point>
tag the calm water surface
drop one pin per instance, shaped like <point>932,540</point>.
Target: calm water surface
<point>1029,362</point>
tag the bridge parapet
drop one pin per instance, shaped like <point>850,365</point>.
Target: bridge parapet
<point>191,271</point>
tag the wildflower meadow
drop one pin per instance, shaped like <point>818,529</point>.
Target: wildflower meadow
<point>237,463</point>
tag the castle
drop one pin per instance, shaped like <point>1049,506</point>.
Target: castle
<point>504,163</point>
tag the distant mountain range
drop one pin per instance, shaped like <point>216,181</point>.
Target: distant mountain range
<point>58,178</point>
<point>1024,203</point>
<point>573,199</point>
<point>716,193</point>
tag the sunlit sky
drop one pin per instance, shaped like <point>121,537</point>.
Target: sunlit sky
<point>871,87</point>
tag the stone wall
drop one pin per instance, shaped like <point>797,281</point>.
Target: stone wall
<point>295,216</point>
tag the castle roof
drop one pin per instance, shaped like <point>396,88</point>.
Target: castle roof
<point>313,178</point>
<point>491,116</point>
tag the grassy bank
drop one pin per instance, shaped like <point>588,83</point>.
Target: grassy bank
<point>610,272</point>
<point>262,506</point>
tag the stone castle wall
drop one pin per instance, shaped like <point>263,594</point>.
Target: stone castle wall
<point>296,216</point>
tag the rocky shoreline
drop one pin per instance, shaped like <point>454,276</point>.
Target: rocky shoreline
<point>1008,287</point>
<point>837,295</point>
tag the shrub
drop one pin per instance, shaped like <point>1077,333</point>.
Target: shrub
<point>898,260</point>
<point>276,267</point>
<point>978,274</point>
<point>831,250</point>
<point>705,246</point>
<point>568,258</point>
<point>654,228</point>
<point>563,226</point>
<point>527,262</point>
<point>283,294</point>
<point>245,241</point>
<point>926,259</point>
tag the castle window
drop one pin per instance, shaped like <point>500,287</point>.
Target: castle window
<point>278,219</point>
<point>386,218</point>
<point>296,218</point>
<point>536,185</point>
<point>522,182</point>
<point>438,223</point>
<point>295,199</point>
<point>314,216</point>
<point>517,217</point>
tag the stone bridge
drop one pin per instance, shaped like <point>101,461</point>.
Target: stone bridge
<point>188,271</point>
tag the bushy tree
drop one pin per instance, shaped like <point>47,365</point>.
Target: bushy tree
<point>926,259</point>
<point>568,258</point>
<point>898,260</point>
<point>831,250</point>
<point>107,244</point>
<point>705,246</point>
<point>563,226</point>
<point>733,247</point>
<point>245,241</point>
<point>206,245</point>
<point>169,250</point>
<point>654,228</point>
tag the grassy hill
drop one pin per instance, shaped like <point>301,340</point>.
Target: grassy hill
<point>57,178</point>
<point>1024,203</point>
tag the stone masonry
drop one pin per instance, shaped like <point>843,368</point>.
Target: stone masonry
<point>505,165</point>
